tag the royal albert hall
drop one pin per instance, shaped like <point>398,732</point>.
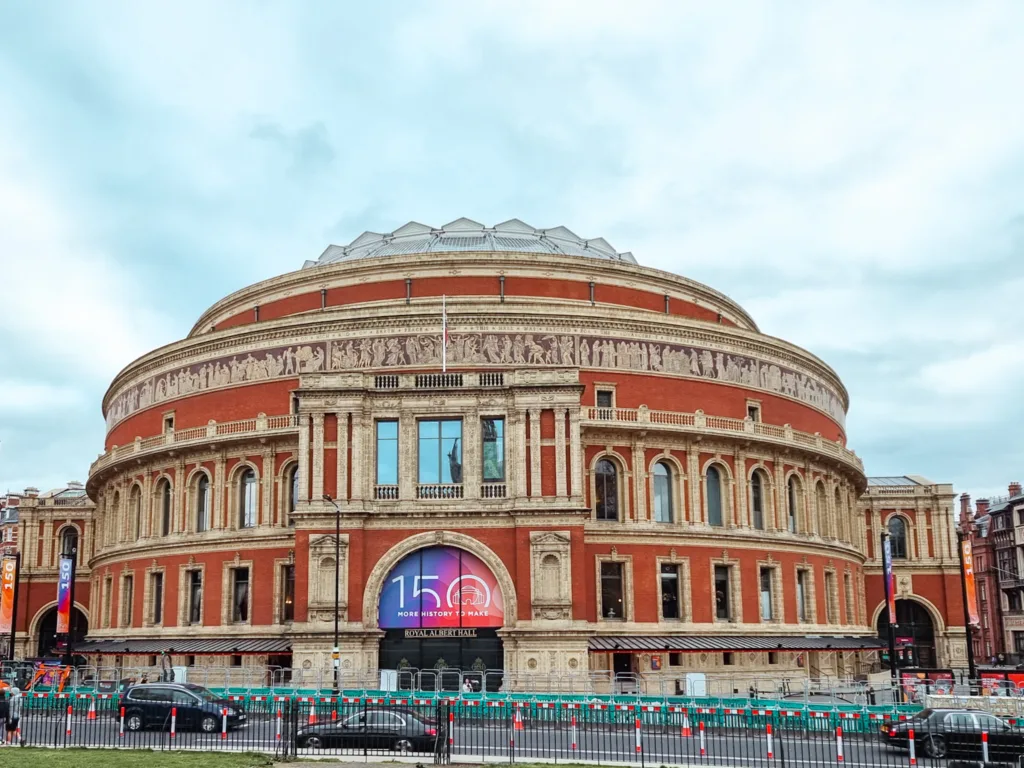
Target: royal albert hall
<point>606,468</point>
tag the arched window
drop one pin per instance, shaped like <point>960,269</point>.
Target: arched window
<point>202,503</point>
<point>247,499</point>
<point>293,493</point>
<point>898,537</point>
<point>135,509</point>
<point>606,489</point>
<point>821,506</point>
<point>663,511</point>
<point>111,519</point>
<point>165,507</point>
<point>792,492</point>
<point>713,486</point>
<point>757,500</point>
<point>69,541</point>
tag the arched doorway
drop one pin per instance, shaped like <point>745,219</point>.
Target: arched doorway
<point>915,633</point>
<point>440,608</point>
<point>46,643</point>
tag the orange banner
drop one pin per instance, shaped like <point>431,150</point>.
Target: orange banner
<point>972,595</point>
<point>8,577</point>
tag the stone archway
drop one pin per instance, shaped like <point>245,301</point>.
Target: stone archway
<point>43,628</point>
<point>384,566</point>
<point>917,632</point>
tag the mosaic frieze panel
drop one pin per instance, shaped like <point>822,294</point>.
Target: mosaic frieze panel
<point>477,349</point>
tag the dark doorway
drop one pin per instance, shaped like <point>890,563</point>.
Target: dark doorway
<point>622,663</point>
<point>47,646</point>
<point>469,654</point>
<point>915,634</point>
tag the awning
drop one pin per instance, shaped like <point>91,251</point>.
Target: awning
<point>191,646</point>
<point>733,643</point>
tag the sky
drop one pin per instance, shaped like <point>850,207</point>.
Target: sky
<point>851,173</point>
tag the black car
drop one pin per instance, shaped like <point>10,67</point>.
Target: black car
<point>399,730</point>
<point>942,732</point>
<point>198,709</point>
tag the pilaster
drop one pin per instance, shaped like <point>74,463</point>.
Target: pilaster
<point>267,486</point>
<point>639,451</point>
<point>342,455</point>
<point>318,456</point>
<point>534,416</point>
<point>693,473</point>
<point>304,468</point>
<point>359,477</point>
<point>575,453</point>
<point>560,484</point>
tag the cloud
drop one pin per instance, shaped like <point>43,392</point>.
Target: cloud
<point>23,398</point>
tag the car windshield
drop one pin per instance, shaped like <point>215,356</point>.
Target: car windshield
<point>202,693</point>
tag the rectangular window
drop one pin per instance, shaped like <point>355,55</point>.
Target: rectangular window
<point>190,661</point>
<point>493,430</point>
<point>727,659</point>
<point>236,661</point>
<point>288,593</point>
<point>801,595</point>
<point>387,453</point>
<point>1013,601</point>
<point>169,423</point>
<point>440,452</point>
<point>1018,642</point>
<point>766,594</point>
<point>127,600</point>
<point>981,591</point>
<point>722,593</point>
<point>195,597</point>
<point>157,592</point>
<point>753,412</point>
<point>605,399</point>
<point>773,657</point>
<point>612,606</point>
<point>675,659</point>
<point>670,581</point>
<point>240,596</point>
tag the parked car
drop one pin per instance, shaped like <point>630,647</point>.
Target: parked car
<point>399,730</point>
<point>198,709</point>
<point>942,732</point>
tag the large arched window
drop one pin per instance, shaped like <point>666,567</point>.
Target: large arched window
<point>713,488</point>
<point>164,496</point>
<point>293,493</point>
<point>757,500</point>
<point>606,490</point>
<point>202,503</point>
<point>135,510</point>
<point>247,499</point>
<point>663,512</point>
<point>821,506</point>
<point>898,537</point>
<point>69,541</point>
<point>792,497</point>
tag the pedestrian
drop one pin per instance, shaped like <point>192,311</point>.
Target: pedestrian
<point>467,687</point>
<point>5,709</point>
<point>13,714</point>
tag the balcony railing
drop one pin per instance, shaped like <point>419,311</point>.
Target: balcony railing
<point>699,421</point>
<point>261,425</point>
<point>385,492</point>
<point>436,491</point>
<point>492,491</point>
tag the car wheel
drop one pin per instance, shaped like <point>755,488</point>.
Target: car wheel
<point>935,747</point>
<point>208,724</point>
<point>133,722</point>
<point>403,745</point>
<point>312,742</point>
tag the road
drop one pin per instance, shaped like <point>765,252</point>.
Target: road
<point>498,741</point>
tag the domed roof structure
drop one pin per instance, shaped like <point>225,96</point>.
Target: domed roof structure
<point>512,236</point>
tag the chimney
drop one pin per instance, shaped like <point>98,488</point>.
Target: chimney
<point>965,510</point>
<point>982,507</point>
<point>1015,489</point>
<point>31,493</point>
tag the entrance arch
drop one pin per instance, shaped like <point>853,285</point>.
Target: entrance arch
<point>44,630</point>
<point>915,632</point>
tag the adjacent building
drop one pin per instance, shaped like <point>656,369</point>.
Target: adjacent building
<point>987,637</point>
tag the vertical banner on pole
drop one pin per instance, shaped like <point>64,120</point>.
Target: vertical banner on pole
<point>64,577</point>
<point>972,596</point>
<point>8,578</point>
<point>890,591</point>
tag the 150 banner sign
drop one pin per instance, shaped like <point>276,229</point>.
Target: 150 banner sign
<point>8,580</point>
<point>65,575</point>
<point>972,595</point>
<point>441,587</point>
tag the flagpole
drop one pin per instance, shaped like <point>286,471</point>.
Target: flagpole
<point>444,333</point>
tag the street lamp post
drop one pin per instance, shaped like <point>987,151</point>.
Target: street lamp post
<point>335,657</point>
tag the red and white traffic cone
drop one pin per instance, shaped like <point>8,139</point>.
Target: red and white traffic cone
<point>312,713</point>
<point>91,715</point>
<point>686,730</point>
<point>518,720</point>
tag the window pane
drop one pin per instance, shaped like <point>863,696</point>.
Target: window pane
<point>611,591</point>
<point>662,493</point>
<point>203,504</point>
<point>440,451</point>
<point>606,488</point>
<point>288,598</point>
<point>493,450</point>
<point>387,453</point>
<point>792,505</point>
<point>721,592</point>
<point>801,595</point>
<point>757,500</point>
<point>430,451</point>
<point>241,596</point>
<point>670,591</point>
<point>604,399</point>
<point>714,491</point>
<point>766,594</point>
<point>158,598</point>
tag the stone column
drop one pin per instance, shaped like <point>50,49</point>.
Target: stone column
<point>576,453</point>
<point>359,459</point>
<point>318,457</point>
<point>304,467</point>
<point>534,415</point>
<point>267,486</point>
<point>342,454</point>
<point>560,485</point>
<point>639,451</point>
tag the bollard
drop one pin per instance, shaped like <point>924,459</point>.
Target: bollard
<point>768,731</point>
<point>984,746</point>
<point>574,731</point>
<point>174,721</point>
<point>913,748</point>
<point>700,727</point>
<point>839,743</point>
<point>224,723</point>
<point>122,722</point>
<point>278,735</point>
<point>68,731</point>
<point>451,727</point>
